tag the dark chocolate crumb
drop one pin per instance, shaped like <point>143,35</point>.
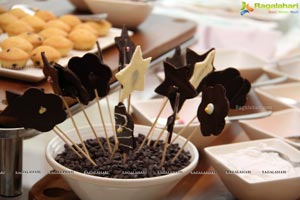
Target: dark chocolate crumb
<point>139,164</point>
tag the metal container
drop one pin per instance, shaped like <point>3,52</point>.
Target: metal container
<point>11,151</point>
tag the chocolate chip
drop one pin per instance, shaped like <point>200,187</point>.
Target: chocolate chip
<point>142,164</point>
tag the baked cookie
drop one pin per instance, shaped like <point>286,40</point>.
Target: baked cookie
<point>87,27</point>
<point>71,20</point>
<point>18,42</point>
<point>7,18</point>
<point>60,43</point>
<point>45,15</point>
<point>13,58</point>
<point>57,23</point>
<point>52,55</point>
<point>34,38</point>
<point>37,23</point>
<point>19,13</point>
<point>82,39</point>
<point>102,27</point>
<point>17,27</point>
<point>48,32</point>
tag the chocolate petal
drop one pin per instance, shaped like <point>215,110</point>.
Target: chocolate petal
<point>70,84</point>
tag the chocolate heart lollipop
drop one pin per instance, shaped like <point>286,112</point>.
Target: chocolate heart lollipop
<point>125,46</point>
<point>236,86</point>
<point>70,84</point>
<point>176,77</point>
<point>92,74</point>
<point>212,110</point>
<point>124,128</point>
<point>37,110</point>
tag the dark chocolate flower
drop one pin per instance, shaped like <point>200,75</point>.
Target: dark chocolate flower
<point>212,110</point>
<point>236,86</point>
<point>92,73</point>
<point>125,46</point>
<point>70,85</point>
<point>124,129</point>
<point>176,77</point>
<point>37,110</point>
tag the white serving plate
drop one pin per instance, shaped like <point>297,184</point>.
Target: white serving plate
<point>281,96</point>
<point>32,74</point>
<point>280,124</point>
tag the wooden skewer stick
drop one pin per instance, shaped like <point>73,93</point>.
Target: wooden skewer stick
<point>77,147</point>
<point>66,142</point>
<point>90,123</point>
<point>74,124</point>
<point>154,123</point>
<point>102,121</point>
<point>163,159</point>
<point>159,136</point>
<point>185,143</point>
<point>182,130</point>
<point>111,120</point>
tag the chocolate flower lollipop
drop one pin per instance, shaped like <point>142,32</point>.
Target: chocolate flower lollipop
<point>37,110</point>
<point>212,110</point>
<point>70,84</point>
<point>92,74</point>
<point>176,77</point>
<point>124,128</point>
<point>125,46</point>
<point>236,86</point>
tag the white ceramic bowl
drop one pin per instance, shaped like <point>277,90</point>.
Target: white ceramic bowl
<point>241,187</point>
<point>89,187</point>
<point>80,5</point>
<point>280,124</point>
<point>122,12</point>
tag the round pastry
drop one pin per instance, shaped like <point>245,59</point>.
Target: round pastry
<point>13,58</point>
<point>45,15</point>
<point>60,43</point>
<point>87,27</point>
<point>56,23</point>
<point>7,18</point>
<point>48,32</point>
<point>18,42</point>
<point>17,27</point>
<point>71,20</point>
<point>102,27</point>
<point>82,39</point>
<point>36,22</point>
<point>52,55</point>
<point>34,38</point>
<point>19,13</point>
